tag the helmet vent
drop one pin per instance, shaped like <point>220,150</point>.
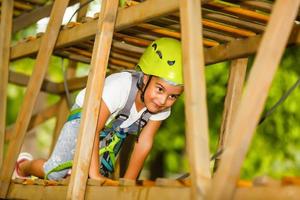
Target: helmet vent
<point>159,54</point>
<point>171,62</point>
<point>154,45</point>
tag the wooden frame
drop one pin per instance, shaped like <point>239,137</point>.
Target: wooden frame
<point>34,85</point>
<point>106,23</point>
<point>251,106</point>
<point>5,36</point>
<point>194,81</point>
<point>137,26</point>
<point>237,73</point>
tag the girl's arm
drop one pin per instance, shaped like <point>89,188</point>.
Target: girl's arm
<point>141,149</point>
<point>94,167</point>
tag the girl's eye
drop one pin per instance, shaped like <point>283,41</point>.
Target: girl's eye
<point>159,54</point>
<point>173,97</point>
<point>159,89</point>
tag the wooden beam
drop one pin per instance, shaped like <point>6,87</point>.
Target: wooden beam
<point>29,18</point>
<point>274,193</point>
<point>242,48</point>
<point>129,191</point>
<point>5,37</point>
<point>195,101</point>
<point>234,10</point>
<point>19,191</point>
<point>126,17</point>
<point>82,12</point>
<point>40,69</point>
<point>235,49</point>
<point>237,73</point>
<point>266,62</point>
<point>91,107</point>
<point>49,86</point>
<point>215,16</point>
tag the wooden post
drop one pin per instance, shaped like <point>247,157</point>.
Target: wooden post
<point>268,57</point>
<point>102,45</point>
<point>82,12</point>
<point>235,86</point>
<point>34,85</point>
<point>195,96</point>
<point>5,36</point>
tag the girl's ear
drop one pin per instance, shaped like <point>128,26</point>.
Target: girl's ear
<point>145,79</point>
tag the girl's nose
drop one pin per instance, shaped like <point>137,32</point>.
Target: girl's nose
<point>163,99</point>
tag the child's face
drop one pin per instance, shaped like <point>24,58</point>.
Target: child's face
<point>160,95</point>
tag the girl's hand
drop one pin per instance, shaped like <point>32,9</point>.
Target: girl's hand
<point>104,180</point>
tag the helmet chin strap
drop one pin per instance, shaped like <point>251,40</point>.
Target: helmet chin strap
<point>144,90</point>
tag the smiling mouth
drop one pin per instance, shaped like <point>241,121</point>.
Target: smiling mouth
<point>157,106</point>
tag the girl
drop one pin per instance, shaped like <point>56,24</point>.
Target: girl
<point>132,103</point>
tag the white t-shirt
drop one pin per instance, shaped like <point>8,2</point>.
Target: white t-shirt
<point>115,94</point>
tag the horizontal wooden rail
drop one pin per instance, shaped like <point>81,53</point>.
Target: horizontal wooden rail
<point>126,17</point>
<point>241,48</point>
<point>49,86</point>
<point>51,190</point>
<point>33,16</point>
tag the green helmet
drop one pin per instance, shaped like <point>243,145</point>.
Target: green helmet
<point>163,59</point>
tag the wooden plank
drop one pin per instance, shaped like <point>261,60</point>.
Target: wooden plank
<point>241,48</point>
<point>195,101</point>
<point>237,73</point>
<point>170,33</point>
<point>231,30</point>
<point>126,17</point>
<point>40,69</point>
<point>82,12</point>
<point>29,18</point>
<point>5,37</point>
<point>252,103</point>
<point>19,191</point>
<point>102,45</point>
<point>22,80</point>
<point>234,10</point>
<point>232,50</point>
<point>274,193</point>
<point>49,86</point>
<point>218,17</point>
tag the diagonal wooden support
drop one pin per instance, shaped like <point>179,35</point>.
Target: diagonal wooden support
<point>5,36</point>
<point>102,45</point>
<point>71,73</point>
<point>34,85</point>
<point>237,73</point>
<point>252,103</point>
<point>195,96</point>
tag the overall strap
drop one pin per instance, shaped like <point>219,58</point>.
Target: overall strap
<point>124,113</point>
<point>136,76</point>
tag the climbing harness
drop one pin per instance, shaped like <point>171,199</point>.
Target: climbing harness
<point>113,137</point>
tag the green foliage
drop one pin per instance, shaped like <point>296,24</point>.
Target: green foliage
<point>274,150</point>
